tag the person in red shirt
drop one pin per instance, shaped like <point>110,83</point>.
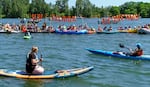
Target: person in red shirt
<point>138,51</point>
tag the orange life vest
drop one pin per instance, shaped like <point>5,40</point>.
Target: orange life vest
<point>139,52</point>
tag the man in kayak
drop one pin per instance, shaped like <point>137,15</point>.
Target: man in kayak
<point>32,66</point>
<point>137,52</point>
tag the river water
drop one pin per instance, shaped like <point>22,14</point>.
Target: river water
<point>68,51</point>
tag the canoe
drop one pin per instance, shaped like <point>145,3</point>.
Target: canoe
<point>27,37</point>
<point>117,55</point>
<point>46,74</point>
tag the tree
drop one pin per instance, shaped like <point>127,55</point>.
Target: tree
<point>1,9</point>
<point>114,10</point>
<point>84,7</point>
<point>79,7</point>
<point>6,7</point>
<point>144,9</point>
<point>21,8</point>
<point>39,7</point>
<point>129,8</point>
<point>62,7</point>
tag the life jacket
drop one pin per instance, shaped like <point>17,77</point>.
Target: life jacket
<point>29,66</point>
<point>140,52</point>
<point>23,28</point>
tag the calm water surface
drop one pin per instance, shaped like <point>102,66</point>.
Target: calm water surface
<point>68,51</point>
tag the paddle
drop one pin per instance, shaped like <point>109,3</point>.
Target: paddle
<point>41,58</point>
<point>122,46</point>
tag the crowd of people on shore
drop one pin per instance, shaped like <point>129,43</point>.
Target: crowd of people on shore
<point>33,27</point>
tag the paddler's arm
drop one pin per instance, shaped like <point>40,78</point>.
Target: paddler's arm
<point>36,61</point>
<point>132,51</point>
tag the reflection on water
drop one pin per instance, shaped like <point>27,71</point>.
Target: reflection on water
<point>36,82</point>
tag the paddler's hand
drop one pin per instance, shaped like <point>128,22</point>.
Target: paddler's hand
<point>41,59</point>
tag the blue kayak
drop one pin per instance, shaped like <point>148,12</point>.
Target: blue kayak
<point>118,55</point>
<point>47,74</point>
<point>71,32</point>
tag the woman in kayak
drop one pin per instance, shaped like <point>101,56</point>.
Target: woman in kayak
<point>137,52</point>
<point>32,66</point>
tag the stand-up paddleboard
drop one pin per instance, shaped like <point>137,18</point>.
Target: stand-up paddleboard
<point>46,74</point>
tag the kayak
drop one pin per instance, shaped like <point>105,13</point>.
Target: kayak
<point>27,37</point>
<point>118,55</point>
<point>143,31</point>
<point>107,32</point>
<point>46,74</point>
<point>71,32</point>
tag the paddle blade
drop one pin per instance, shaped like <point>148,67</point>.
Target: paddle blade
<point>121,45</point>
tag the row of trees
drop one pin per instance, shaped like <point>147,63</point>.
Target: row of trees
<point>23,8</point>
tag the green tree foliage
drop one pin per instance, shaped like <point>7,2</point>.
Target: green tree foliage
<point>144,9</point>
<point>38,7</point>
<point>22,8</point>
<point>84,8</point>
<point>15,8</point>
<point>1,8</point>
<point>62,5</point>
<point>129,8</point>
<point>6,7</point>
<point>114,10</point>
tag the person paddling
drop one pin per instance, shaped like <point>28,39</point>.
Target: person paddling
<point>137,52</point>
<point>32,66</point>
<point>27,33</point>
